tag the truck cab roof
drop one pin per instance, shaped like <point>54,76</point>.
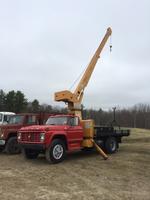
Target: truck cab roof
<point>7,113</point>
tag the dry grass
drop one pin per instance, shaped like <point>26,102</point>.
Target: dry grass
<point>126,175</point>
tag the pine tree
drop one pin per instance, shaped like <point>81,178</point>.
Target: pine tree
<point>2,100</point>
<point>10,101</point>
<point>20,102</point>
<point>35,106</point>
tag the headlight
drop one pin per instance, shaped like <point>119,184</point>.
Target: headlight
<point>42,137</point>
<point>19,136</point>
<point>1,133</point>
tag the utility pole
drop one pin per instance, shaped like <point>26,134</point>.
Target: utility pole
<point>114,114</point>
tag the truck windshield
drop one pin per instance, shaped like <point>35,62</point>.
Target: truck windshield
<point>57,121</point>
<point>16,119</point>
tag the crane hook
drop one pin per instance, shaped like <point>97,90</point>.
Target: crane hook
<point>110,48</point>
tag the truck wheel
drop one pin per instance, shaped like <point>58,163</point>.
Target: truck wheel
<point>1,149</point>
<point>111,145</point>
<point>30,154</point>
<point>56,151</point>
<point>12,146</point>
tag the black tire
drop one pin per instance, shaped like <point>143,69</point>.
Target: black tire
<point>1,149</point>
<point>111,145</point>
<point>52,154</point>
<point>30,153</point>
<point>12,146</point>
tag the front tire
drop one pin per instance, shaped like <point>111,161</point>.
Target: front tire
<point>111,145</point>
<point>12,146</point>
<point>1,149</point>
<point>56,152</point>
<point>30,154</point>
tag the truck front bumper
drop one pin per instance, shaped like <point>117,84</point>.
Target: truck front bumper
<point>2,142</point>
<point>39,147</point>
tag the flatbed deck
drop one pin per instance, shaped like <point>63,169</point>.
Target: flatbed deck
<point>105,131</point>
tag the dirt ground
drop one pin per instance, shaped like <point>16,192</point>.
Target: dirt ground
<point>82,176</point>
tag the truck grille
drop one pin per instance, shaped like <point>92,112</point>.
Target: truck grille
<point>30,137</point>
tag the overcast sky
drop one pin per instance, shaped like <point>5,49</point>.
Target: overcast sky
<point>45,45</point>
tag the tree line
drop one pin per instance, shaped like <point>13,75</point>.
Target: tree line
<point>137,116</point>
<point>15,101</point>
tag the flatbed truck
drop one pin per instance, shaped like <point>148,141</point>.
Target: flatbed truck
<point>67,133</point>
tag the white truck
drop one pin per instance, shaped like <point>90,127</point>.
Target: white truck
<point>4,117</point>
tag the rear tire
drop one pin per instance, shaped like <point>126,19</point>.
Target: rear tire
<point>56,152</point>
<point>111,145</point>
<point>30,154</point>
<point>12,146</point>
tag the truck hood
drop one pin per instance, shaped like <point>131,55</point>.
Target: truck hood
<point>44,128</point>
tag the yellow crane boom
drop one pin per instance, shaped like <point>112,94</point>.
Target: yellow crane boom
<point>74,99</point>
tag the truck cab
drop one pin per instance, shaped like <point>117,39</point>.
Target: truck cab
<point>60,134</point>
<point>5,116</point>
<point>8,132</point>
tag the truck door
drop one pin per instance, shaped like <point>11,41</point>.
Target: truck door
<point>74,133</point>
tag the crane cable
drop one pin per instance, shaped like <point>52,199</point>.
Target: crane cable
<point>75,81</point>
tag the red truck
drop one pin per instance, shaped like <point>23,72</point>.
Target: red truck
<point>8,132</point>
<point>62,134</point>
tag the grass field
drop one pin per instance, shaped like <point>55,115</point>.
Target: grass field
<point>82,176</point>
